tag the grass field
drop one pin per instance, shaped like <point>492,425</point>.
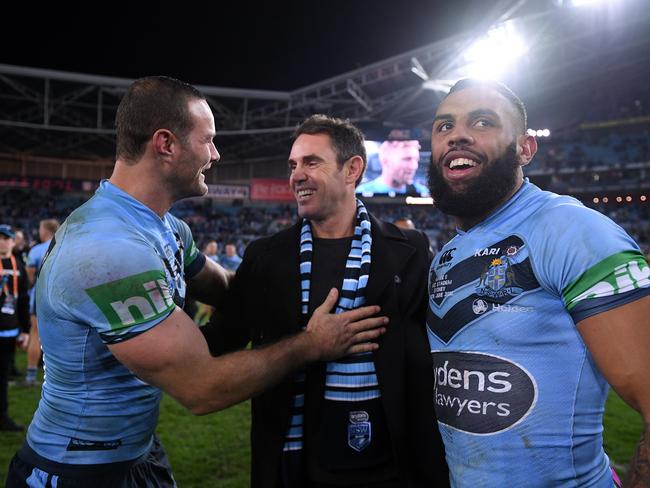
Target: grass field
<point>213,450</point>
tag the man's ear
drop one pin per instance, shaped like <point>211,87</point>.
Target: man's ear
<point>526,148</point>
<point>163,141</point>
<point>354,169</point>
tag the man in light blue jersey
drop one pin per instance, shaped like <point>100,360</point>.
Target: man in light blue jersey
<point>109,298</point>
<point>536,306</point>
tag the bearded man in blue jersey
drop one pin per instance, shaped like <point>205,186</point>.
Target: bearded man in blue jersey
<point>536,306</point>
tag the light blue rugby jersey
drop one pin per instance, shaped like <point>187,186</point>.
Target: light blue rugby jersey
<point>116,270</point>
<point>518,397</point>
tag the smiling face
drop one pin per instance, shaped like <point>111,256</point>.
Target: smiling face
<point>477,150</point>
<point>198,151</point>
<point>324,190</point>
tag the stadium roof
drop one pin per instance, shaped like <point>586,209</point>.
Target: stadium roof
<point>577,59</point>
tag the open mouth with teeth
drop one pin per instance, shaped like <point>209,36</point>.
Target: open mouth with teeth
<point>461,167</point>
<point>304,193</point>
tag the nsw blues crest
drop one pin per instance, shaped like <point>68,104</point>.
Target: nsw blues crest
<point>359,430</point>
<point>498,279</point>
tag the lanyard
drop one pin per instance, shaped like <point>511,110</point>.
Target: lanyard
<point>4,281</point>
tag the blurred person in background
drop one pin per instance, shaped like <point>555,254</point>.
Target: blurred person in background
<point>231,260</point>
<point>211,250</point>
<point>14,318</point>
<point>399,162</point>
<point>46,230</point>
<point>21,246</point>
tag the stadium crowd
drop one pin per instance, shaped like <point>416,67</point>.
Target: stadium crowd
<point>240,225</point>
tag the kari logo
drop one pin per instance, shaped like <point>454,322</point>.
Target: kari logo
<point>480,393</point>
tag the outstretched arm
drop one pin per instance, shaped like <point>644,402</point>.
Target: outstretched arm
<point>210,284</point>
<point>619,341</point>
<point>174,356</point>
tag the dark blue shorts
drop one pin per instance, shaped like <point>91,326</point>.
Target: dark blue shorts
<point>28,469</point>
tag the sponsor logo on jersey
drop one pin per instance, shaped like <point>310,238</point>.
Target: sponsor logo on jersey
<point>445,261</point>
<point>88,445</point>
<point>495,275</point>
<point>615,277</point>
<point>479,393</point>
<point>487,251</point>
<point>134,299</point>
<point>480,306</point>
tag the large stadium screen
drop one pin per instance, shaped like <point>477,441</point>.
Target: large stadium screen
<point>395,168</point>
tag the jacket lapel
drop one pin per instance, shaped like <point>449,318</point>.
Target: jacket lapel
<point>284,268</point>
<point>390,253</point>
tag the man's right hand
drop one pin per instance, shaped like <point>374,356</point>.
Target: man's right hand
<point>335,335</point>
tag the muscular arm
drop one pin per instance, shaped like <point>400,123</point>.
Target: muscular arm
<point>174,356</point>
<point>210,284</point>
<point>619,341</point>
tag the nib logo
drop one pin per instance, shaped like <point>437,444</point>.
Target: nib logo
<point>134,299</point>
<point>625,277</point>
<point>155,301</point>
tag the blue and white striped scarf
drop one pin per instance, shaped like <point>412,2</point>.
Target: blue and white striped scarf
<point>353,378</point>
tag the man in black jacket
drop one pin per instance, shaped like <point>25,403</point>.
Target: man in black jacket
<point>14,317</point>
<point>365,420</point>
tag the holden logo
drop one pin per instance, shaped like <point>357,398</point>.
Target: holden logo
<point>480,393</point>
<point>479,306</point>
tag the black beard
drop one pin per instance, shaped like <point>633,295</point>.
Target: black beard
<point>483,194</point>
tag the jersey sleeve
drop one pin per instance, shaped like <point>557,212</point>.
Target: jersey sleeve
<point>588,260</point>
<point>34,257</point>
<point>117,286</point>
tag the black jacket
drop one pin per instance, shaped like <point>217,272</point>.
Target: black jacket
<point>263,306</point>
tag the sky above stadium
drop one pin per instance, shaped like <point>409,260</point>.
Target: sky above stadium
<point>275,45</point>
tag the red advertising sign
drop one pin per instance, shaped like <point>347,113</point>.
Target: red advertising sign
<point>271,189</point>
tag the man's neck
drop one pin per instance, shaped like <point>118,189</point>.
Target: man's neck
<point>466,223</point>
<point>142,187</point>
<point>336,226</point>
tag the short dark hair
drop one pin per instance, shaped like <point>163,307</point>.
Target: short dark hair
<point>500,88</point>
<point>347,139</point>
<point>152,103</point>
